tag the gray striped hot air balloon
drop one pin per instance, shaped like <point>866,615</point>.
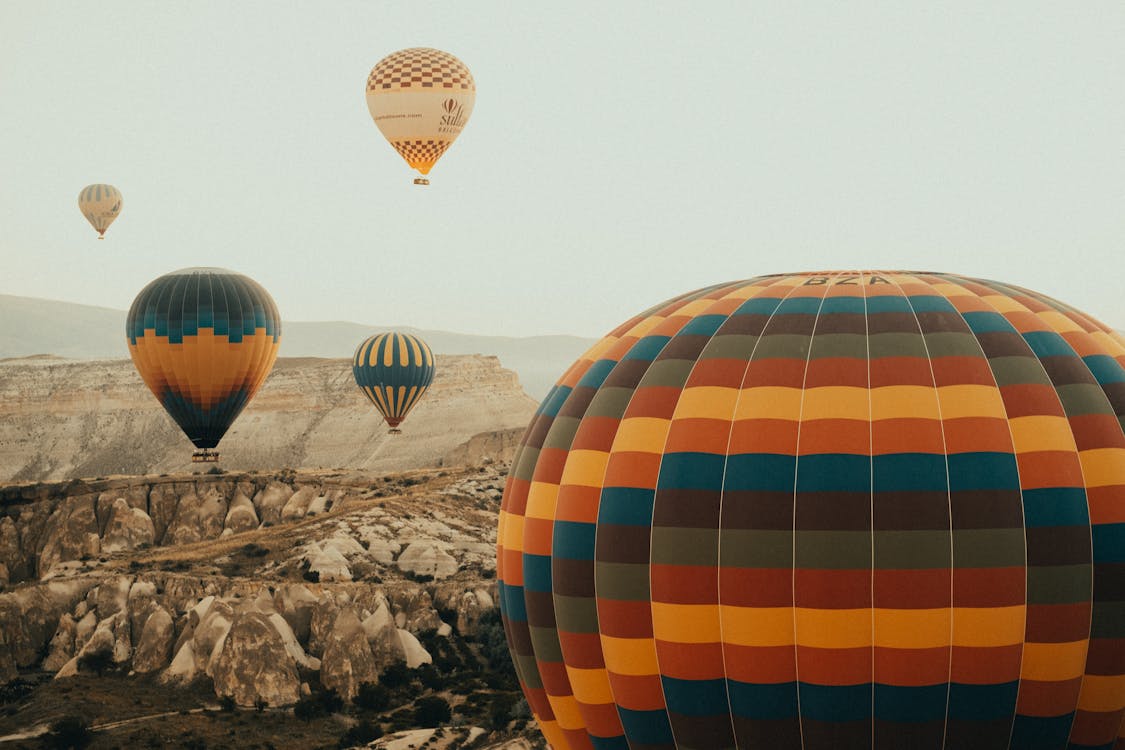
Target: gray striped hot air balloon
<point>100,204</point>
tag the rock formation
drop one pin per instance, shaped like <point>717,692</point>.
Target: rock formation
<point>347,660</point>
<point>335,590</point>
<point>493,446</point>
<point>128,528</point>
<point>61,418</point>
<point>427,558</point>
<point>155,645</point>
<point>252,664</point>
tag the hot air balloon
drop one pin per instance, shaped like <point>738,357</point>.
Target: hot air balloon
<point>100,204</point>
<point>420,98</point>
<point>203,341</point>
<point>826,510</point>
<point>393,370</point>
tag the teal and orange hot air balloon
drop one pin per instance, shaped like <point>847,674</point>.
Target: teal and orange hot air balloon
<point>203,341</point>
<point>822,511</point>
<point>393,370</point>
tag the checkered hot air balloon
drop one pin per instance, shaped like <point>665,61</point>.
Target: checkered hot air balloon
<point>393,370</point>
<point>204,340</point>
<point>100,204</point>
<point>827,510</point>
<point>420,99</point>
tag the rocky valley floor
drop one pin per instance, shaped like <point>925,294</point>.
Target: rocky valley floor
<point>295,609</point>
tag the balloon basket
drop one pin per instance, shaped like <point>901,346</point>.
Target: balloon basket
<point>421,181</point>
<point>204,456</point>
<point>394,431</point>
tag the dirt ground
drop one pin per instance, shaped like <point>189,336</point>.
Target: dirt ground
<point>140,712</point>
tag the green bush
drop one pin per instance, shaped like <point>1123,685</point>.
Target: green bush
<point>373,697</point>
<point>445,652</point>
<point>500,712</point>
<point>96,661</point>
<point>192,741</point>
<point>430,677</point>
<point>447,614</point>
<point>494,644</point>
<point>431,711</point>
<point>402,719</point>
<point>14,691</point>
<point>69,732</point>
<point>318,704</point>
<point>395,675</point>
<point>361,734</point>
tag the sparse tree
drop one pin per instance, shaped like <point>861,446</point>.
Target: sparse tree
<point>431,711</point>
<point>69,732</point>
<point>395,675</point>
<point>361,734</point>
<point>373,697</point>
<point>98,662</point>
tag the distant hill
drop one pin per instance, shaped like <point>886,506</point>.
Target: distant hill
<point>38,326</point>
<point>30,326</point>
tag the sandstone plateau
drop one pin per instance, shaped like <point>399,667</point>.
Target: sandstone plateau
<point>63,418</point>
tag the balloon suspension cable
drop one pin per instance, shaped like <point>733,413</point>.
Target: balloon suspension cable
<point>421,181</point>
<point>204,455</point>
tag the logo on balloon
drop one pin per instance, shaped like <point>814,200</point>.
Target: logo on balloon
<point>454,118</point>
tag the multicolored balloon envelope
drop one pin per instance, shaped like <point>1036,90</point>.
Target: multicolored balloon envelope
<point>204,340</point>
<point>827,510</point>
<point>420,98</point>
<point>100,204</point>
<point>393,370</point>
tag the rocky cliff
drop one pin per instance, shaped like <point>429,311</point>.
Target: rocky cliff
<point>63,418</point>
<point>487,447</point>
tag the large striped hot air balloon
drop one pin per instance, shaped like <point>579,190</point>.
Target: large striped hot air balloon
<point>204,340</point>
<point>827,510</point>
<point>100,204</point>
<point>420,99</point>
<point>393,370</point>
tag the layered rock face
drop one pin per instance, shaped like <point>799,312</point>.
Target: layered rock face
<point>61,418</point>
<point>497,446</point>
<point>173,576</point>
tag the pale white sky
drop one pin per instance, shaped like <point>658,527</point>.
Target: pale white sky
<point>619,153</point>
